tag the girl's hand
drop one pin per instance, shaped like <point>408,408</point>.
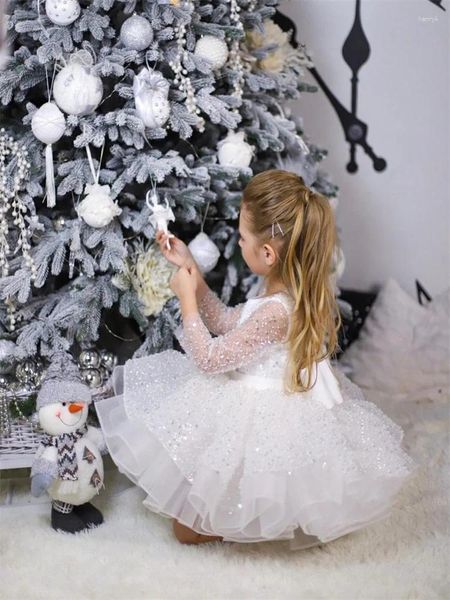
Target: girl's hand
<point>184,283</point>
<point>179,254</point>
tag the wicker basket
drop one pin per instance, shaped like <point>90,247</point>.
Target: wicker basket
<point>17,449</point>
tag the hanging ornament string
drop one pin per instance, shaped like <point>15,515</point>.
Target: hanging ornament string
<point>50,88</point>
<point>118,336</point>
<point>204,216</point>
<point>90,160</point>
<point>39,18</point>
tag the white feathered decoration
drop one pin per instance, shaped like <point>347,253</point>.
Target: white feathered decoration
<point>234,151</point>
<point>97,209</point>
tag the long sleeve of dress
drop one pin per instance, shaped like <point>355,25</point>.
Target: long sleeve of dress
<point>217,316</point>
<point>267,325</point>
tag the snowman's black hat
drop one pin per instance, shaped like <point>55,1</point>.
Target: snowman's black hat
<point>62,382</point>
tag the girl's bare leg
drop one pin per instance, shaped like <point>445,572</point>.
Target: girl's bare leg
<point>187,536</point>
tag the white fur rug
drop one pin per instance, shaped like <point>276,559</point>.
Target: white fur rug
<point>134,555</point>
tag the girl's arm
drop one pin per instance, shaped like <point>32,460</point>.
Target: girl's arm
<point>217,316</point>
<point>266,326</point>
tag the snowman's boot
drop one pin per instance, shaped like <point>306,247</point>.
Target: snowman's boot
<point>65,519</point>
<point>90,515</point>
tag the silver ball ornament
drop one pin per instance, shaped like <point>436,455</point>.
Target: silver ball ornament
<point>62,12</point>
<point>89,358</point>
<point>26,371</point>
<point>136,33</point>
<point>108,360</point>
<point>5,380</point>
<point>59,223</point>
<point>92,377</point>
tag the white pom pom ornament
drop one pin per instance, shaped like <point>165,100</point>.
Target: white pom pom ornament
<point>97,209</point>
<point>77,90</point>
<point>204,251</point>
<point>150,96</point>
<point>136,33</point>
<point>212,49</point>
<point>62,12</point>
<point>48,124</point>
<point>234,151</point>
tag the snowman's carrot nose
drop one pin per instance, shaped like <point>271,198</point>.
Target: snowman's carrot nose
<point>74,407</point>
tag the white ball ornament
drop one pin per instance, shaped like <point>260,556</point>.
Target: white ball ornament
<point>62,12</point>
<point>48,123</point>
<point>212,49</point>
<point>136,33</point>
<point>234,151</point>
<point>150,96</point>
<point>97,209</point>
<point>77,90</point>
<point>204,251</point>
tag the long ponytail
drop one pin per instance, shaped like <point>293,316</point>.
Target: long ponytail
<point>305,265</point>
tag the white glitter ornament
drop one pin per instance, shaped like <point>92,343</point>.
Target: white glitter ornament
<point>48,124</point>
<point>136,33</point>
<point>62,12</point>
<point>77,90</point>
<point>97,209</point>
<point>150,97</point>
<point>234,151</point>
<point>204,251</point>
<point>212,49</point>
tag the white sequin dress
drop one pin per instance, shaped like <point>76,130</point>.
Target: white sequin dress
<point>215,442</point>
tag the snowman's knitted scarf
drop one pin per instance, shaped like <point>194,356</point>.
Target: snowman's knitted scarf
<point>65,445</point>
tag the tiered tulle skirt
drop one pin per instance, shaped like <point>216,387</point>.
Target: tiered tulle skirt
<point>252,465</point>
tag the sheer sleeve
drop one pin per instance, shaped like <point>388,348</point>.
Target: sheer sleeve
<point>217,316</point>
<point>267,325</point>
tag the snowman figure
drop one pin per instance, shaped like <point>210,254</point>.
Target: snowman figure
<point>68,463</point>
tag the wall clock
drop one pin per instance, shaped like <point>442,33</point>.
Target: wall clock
<point>356,52</point>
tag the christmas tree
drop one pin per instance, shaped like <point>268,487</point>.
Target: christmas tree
<point>115,112</point>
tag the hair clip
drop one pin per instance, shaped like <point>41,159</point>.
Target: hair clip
<point>273,229</point>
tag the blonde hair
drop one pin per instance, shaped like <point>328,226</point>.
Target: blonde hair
<point>305,240</point>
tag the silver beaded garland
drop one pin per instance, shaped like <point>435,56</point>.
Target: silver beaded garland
<point>182,78</point>
<point>10,200</point>
<point>235,61</point>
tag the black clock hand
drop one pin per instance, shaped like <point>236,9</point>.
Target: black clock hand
<point>355,130</point>
<point>438,3</point>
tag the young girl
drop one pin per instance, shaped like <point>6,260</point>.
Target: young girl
<point>252,435</point>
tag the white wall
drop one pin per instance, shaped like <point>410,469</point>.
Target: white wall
<point>397,222</point>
